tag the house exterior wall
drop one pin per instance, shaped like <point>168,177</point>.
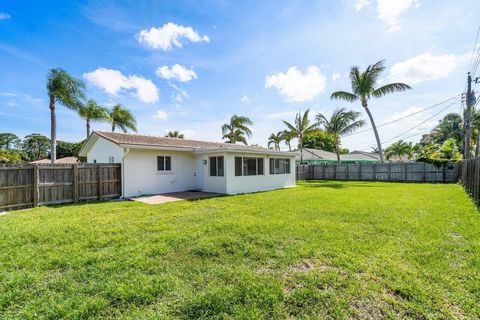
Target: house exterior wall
<point>209,183</point>
<point>141,176</point>
<point>102,150</point>
<point>267,181</point>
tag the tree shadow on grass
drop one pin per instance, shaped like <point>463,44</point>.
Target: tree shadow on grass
<point>336,184</point>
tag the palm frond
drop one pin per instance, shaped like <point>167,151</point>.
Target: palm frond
<point>344,95</point>
<point>390,88</point>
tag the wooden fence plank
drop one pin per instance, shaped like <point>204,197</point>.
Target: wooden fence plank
<point>33,184</point>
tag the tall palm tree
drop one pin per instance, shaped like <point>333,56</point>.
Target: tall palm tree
<point>341,122</point>
<point>399,149</point>
<point>237,130</point>
<point>364,88</point>
<point>123,118</point>
<point>276,139</point>
<point>66,90</point>
<point>174,134</point>
<point>300,128</point>
<point>91,111</point>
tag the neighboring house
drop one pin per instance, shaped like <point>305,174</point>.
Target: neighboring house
<point>315,156</point>
<point>152,165</point>
<point>65,160</point>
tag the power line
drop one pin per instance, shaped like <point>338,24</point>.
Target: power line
<point>404,117</point>
<point>409,130</point>
<point>473,51</point>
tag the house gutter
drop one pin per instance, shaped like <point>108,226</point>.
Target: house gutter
<point>125,152</point>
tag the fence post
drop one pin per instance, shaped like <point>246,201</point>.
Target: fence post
<point>424,173</point>
<point>335,172</point>
<point>374,173</point>
<point>100,182</point>
<point>75,182</point>
<point>389,172</point>
<point>36,190</point>
<point>405,172</point>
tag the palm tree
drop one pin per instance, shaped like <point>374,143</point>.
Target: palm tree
<point>91,111</point>
<point>66,90</point>
<point>123,118</point>
<point>341,122</point>
<point>237,129</point>
<point>174,134</point>
<point>399,149</point>
<point>363,87</point>
<point>276,139</point>
<point>287,137</point>
<point>300,128</point>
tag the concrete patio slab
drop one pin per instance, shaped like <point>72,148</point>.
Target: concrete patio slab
<point>174,196</point>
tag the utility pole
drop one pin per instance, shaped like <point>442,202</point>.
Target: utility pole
<point>468,118</point>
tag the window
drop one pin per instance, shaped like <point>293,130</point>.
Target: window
<point>246,166</point>
<point>279,166</point>
<point>216,166</point>
<point>164,163</point>
<point>111,159</point>
<point>94,160</point>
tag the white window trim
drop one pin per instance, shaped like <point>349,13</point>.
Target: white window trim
<point>165,172</point>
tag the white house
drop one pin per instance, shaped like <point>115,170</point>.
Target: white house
<point>153,165</point>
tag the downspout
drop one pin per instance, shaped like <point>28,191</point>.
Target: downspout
<point>125,152</point>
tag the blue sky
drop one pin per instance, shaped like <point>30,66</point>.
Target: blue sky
<point>190,65</point>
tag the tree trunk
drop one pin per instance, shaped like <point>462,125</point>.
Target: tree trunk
<point>337,149</point>
<point>113,127</point>
<point>300,144</point>
<point>289,146</point>
<point>88,128</point>
<point>379,144</point>
<point>53,131</point>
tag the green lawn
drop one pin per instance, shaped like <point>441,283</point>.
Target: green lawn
<point>320,250</point>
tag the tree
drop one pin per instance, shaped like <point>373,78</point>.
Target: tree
<point>8,140</point>
<point>341,122</point>
<point>319,139</point>
<point>363,89</point>
<point>67,149</point>
<point>10,156</point>
<point>450,127</point>
<point>36,146</point>
<point>287,137</point>
<point>300,128</point>
<point>398,149</point>
<point>66,90</point>
<point>175,134</point>
<point>122,118</point>
<point>91,111</point>
<point>237,130</point>
<point>275,139</point>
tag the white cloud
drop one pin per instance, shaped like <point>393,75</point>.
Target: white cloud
<point>4,16</point>
<point>180,94</point>
<point>359,4</point>
<point>169,36</point>
<point>244,99</point>
<point>295,86</point>
<point>336,76</point>
<point>176,72</point>
<point>160,115</point>
<point>423,67</point>
<point>113,81</point>
<point>389,11</point>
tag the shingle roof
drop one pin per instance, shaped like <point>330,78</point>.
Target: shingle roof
<point>315,154</point>
<point>61,160</point>
<point>156,141</point>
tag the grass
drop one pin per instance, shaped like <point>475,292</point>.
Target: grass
<point>320,250</point>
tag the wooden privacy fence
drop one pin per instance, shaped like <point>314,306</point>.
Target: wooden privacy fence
<point>469,176</point>
<point>404,172</point>
<point>32,185</point>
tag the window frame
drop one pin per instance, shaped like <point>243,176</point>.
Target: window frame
<point>165,162</point>
<point>274,169</point>
<point>244,166</point>
<point>217,166</point>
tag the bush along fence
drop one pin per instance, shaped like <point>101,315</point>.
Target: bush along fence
<point>402,172</point>
<point>469,177</point>
<point>32,185</point>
